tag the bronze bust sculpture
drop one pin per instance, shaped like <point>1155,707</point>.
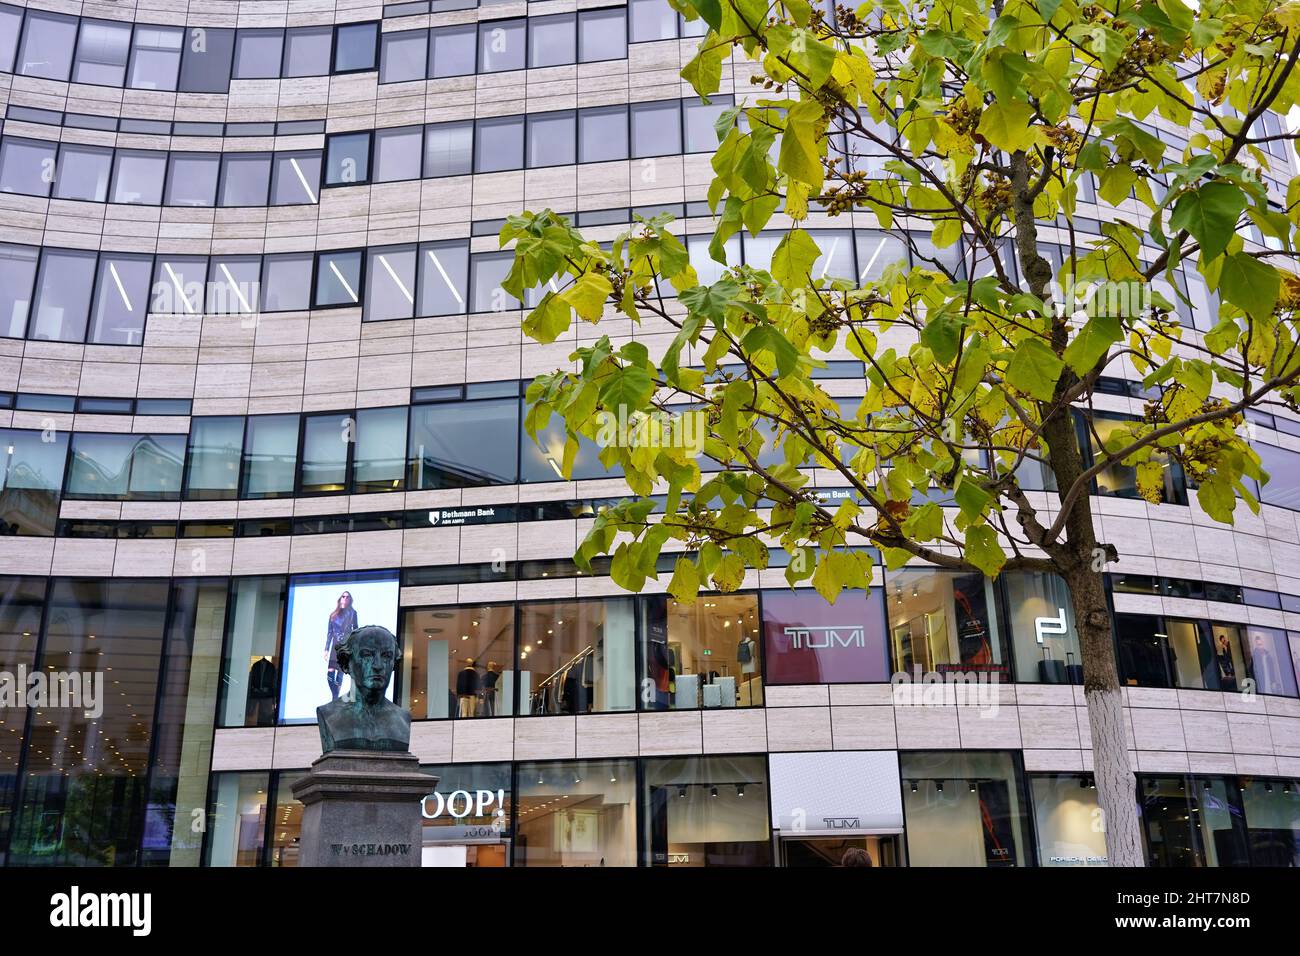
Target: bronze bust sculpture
<point>365,719</point>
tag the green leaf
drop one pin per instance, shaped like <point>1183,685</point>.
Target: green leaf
<point>685,584</point>
<point>1214,495</point>
<point>793,259</point>
<point>1250,284</point>
<point>588,295</point>
<point>711,301</point>
<point>627,388</point>
<point>1006,125</point>
<point>767,338</point>
<point>1098,334</point>
<point>1034,369</point>
<point>983,550</point>
<point>549,320</point>
<point>730,572</point>
<point>1209,215</point>
<point>800,156</point>
<point>1108,45</point>
<point>942,335</point>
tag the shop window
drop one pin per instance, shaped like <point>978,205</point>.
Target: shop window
<point>448,149</point>
<point>552,139</point>
<point>390,283</point>
<point>964,809</point>
<point>444,268</point>
<point>26,166</point>
<point>121,299</point>
<point>270,456</point>
<point>1283,466</point>
<point>325,444</point>
<point>602,134</point>
<point>1119,479</point>
<point>1269,661</point>
<point>155,58</point>
<point>602,35</point>
<point>245,178</point>
<point>577,657</point>
<point>464,444</point>
<point>706,811</point>
<point>706,654</point>
<point>250,669</point>
<point>656,129</point>
<point>398,153</point>
<point>21,604</point>
<point>338,278</point>
<point>347,159</point>
<point>502,45</point>
<point>499,144</point>
<point>651,20</point>
<point>286,283</point>
<point>237,818</point>
<point>295,178</point>
<point>456,663</point>
<point>467,815</point>
<point>138,177</point>
<point>1193,821</point>
<point>379,462</point>
<point>285,819</point>
<point>355,46</point>
<point>48,41</point>
<point>1143,651</point>
<point>83,172</point>
<point>212,465</point>
<point>1043,631</point>
<point>809,641</point>
<point>944,621</point>
<point>123,467</point>
<point>31,481</point>
<point>257,54</point>
<point>452,51</point>
<point>307,51</point>
<point>85,785</point>
<point>1272,810</point>
<point>63,290</point>
<point>552,41</point>
<point>1067,820</point>
<point>576,813</point>
<point>206,60</point>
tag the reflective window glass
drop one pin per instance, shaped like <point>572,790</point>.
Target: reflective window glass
<point>11,20</point>
<point>459,666</point>
<point>138,177</point>
<point>707,654</point>
<point>205,63</point>
<point>295,178</point>
<point>192,179</point>
<point>398,153</point>
<point>487,272</point>
<point>552,41</point>
<point>379,456</point>
<point>31,482</point>
<point>552,139</point>
<point>443,268</point>
<point>706,811</point>
<point>577,657</point>
<point>1283,468</point>
<point>212,465</point>
<point>941,620</point>
<point>46,51</point>
<point>876,252</point>
<point>245,178</point>
<point>325,443</point>
<point>178,285</point>
<point>257,54</point>
<point>347,159</point>
<point>656,129</point>
<point>390,283</point>
<point>403,56</point>
<point>63,295</point>
<point>452,51</point>
<point>270,456</point>
<point>338,278</point>
<point>354,47</point>
<point>602,133</point>
<point>286,282</point>
<point>602,35</point>
<point>701,136</point>
<point>121,299</point>
<point>307,51</point>
<point>249,687</point>
<point>502,44</point>
<point>233,285</point>
<point>964,808</point>
<point>463,444</point>
<point>26,166</point>
<point>448,149</point>
<point>499,144</point>
<point>17,279</point>
<point>125,467</point>
<point>102,50</point>
<point>155,58</point>
<point>83,172</point>
<point>576,813</point>
<point>651,20</point>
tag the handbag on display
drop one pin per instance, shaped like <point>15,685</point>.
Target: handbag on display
<point>1073,671</point>
<point>1051,671</point>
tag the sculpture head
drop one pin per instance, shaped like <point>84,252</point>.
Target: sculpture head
<point>369,655</point>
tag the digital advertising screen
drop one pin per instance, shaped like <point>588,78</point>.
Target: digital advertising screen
<point>322,610</point>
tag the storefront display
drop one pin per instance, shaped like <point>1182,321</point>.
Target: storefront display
<point>964,808</point>
<point>466,817</point>
<point>706,811</point>
<point>1067,820</point>
<point>237,819</point>
<point>456,661</point>
<point>1193,821</point>
<point>577,657</point>
<point>705,654</point>
<point>576,813</point>
<point>808,641</point>
<point>1043,634</point>
<point>942,621</point>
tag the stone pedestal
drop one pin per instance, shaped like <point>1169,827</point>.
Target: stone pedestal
<point>362,808</point>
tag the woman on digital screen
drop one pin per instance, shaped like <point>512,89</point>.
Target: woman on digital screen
<point>342,622</point>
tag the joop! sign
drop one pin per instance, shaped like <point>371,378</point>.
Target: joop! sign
<point>460,804</point>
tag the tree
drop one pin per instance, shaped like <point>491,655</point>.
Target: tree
<point>973,124</point>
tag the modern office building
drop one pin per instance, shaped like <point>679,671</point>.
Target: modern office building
<point>258,383</point>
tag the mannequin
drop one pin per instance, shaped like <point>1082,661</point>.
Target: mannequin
<point>467,688</point>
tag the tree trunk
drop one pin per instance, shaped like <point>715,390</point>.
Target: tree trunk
<point>1116,790</point>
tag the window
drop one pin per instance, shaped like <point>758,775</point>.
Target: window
<point>602,35</point>
<point>63,295</point>
<point>944,621</point>
<point>458,665</point>
<point>876,252</point>
<point>836,259</point>
<point>1119,479</point>
<point>1269,661</point>
<point>1143,651</point>
<point>1042,629</point>
<point>347,159</point>
<point>354,48</point>
<point>338,278</point>
<point>138,177</point>
<point>233,285</point>
<point>270,456</point>
<point>1065,813</point>
<point>443,268</point>
<point>178,285</point>
<point>307,51</point>
<point>17,278</point>
<point>487,272</point>
<point>102,52</point>
<point>398,153</point>
<point>448,149</point>
<point>705,811</point>
<point>1193,821</point>
<point>83,172</point>
<point>652,20</point>
<point>576,813</point>
<point>245,178</point>
<point>31,480</point>
<point>502,44</point>
<point>125,467</point>
<point>499,144</point>
<point>48,40</point>
<point>808,641</point>
<point>540,460</point>
<point>155,58</point>
<point>212,465</point>
<point>964,809</point>
<point>552,41</point>
<point>656,129</point>
<point>26,166</point>
<point>1272,811</point>
<point>121,299</point>
<point>463,444</point>
<point>467,819</point>
<point>701,136</point>
<point>286,282</point>
<point>237,818</point>
<point>403,56</point>
<point>325,443</point>
<point>192,179</point>
<point>379,458</point>
<point>257,54</point>
<point>602,133</point>
<point>577,657</point>
<point>1283,467</point>
<point>706,267</point>
<point>452,51</point>
<point>706,654</point>
<point>552,139</point>
<point>11,21</point>
<point>205,64</point>
<point>390,285</point>
<point>295,178</point>
<point>250,681</point>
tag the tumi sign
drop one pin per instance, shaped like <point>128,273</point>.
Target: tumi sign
<point>807,641</point>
